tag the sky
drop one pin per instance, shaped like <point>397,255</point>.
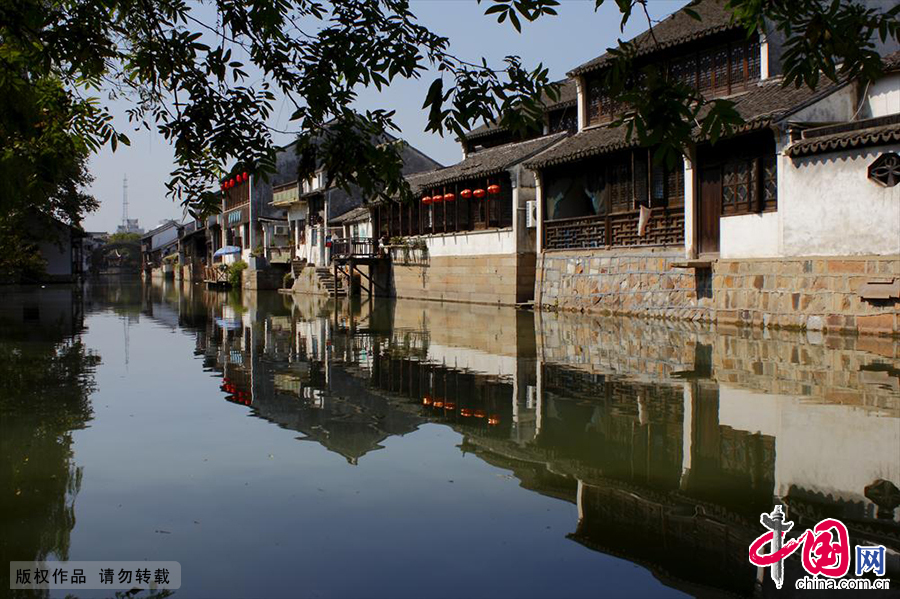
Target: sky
<point>561,43</point>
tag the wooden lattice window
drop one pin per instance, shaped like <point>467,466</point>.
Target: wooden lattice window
<point>619,185</point>
<point>667,185</point>
<point>705,72</point>
<point>720,70</point>
<point>750,182</point>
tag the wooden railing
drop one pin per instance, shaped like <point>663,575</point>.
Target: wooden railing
<point>665,227</point>
<point>215,274</point>
<point>582,232</point>
<point>355,247</point>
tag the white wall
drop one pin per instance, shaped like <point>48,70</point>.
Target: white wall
<point>829,207</point>
<point>750,235</point>
<point>472,243</point>
<point>883,97</point>
<point>165,237</point>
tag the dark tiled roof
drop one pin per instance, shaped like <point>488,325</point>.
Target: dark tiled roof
<point>759,107</point>
<point>568,95</point>
<point>355,215</point>
<point>677,28</point>
<point>589,142</point>
<point>483,163</point>
<point>872,132</point>
<point>769,101</point>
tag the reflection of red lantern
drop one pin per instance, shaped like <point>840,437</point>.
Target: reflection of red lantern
<point>449,197</point>
<point>493,189</point>
<point>449,406</point>
<point>479,413</point>
<point>426,199</point>
<point>465,412</point>
<point>478,193</point>
<point>439,404</point>
<point>493,420</point>
<point>426,400</point>
<point>465,194</point>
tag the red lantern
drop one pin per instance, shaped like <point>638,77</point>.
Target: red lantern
<point>231,183</point>
<point>493,189</point>
<point>478,193</point>
<point>426,199</point>
<point>244,176</point>
<point>436,199</point>
<point>465,194</point>
<point>449,197</point>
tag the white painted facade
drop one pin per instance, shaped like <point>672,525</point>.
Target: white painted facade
<point>164,237</point>
<point>883,97</point>
<point>829,206</point>
<point>489,242</point>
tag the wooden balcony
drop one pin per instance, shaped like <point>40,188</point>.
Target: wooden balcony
<point>665,228</point>
<point>355,248</point>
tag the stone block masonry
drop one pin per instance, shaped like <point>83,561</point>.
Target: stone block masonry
<point>505,279</point>
<point>629,282</point>
<point>807,293</point>
<point>803,293</point>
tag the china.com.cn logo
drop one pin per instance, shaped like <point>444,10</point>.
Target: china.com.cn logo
<point>826,553</point>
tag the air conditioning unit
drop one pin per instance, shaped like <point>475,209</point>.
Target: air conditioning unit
<point>281,230</point>
<point>531,214</point>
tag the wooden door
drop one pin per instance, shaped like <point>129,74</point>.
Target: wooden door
<point>710,210</point>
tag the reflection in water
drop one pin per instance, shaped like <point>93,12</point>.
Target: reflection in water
<point>46,378</point>
<point>669,439</point>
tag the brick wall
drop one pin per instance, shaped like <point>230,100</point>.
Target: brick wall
<point>494,279</point>
<point>805,293</point>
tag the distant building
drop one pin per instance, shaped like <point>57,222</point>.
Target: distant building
<point>157,244</point>
<point>130,226</point>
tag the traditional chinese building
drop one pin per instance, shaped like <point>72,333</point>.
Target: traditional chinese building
<point>317,211</point>
<point>474,240</point>
<point>792,221</point>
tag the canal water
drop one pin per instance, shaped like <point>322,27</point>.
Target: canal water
<point>294,446</point>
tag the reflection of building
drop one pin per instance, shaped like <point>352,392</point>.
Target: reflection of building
<point>669,440</point>
<point>47,379</point>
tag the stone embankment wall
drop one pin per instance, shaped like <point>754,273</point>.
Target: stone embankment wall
<point>805,293</point>
<point>505,279</point>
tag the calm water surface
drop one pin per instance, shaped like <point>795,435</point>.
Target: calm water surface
<point>285,446</point>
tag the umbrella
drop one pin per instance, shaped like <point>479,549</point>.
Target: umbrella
<point>228,249</point>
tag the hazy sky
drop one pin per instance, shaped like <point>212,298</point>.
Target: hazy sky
<point>560,43</point>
